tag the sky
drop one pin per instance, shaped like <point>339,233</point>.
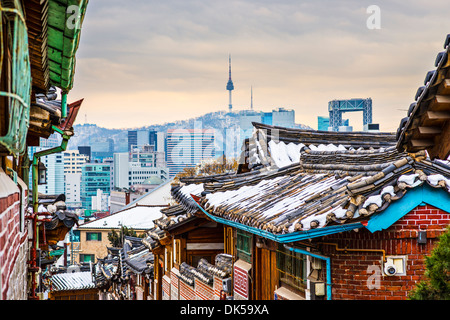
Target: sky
<point>150,62</point>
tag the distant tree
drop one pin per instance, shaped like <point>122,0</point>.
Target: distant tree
<point>436,286</point>
<point>116,239</point>
<point>209,167</point>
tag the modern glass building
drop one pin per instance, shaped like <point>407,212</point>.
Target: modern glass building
<point>94,176</point>
<point>188,147</point>
<point>278,117</point>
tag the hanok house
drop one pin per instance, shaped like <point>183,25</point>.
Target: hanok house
<point>126,273</point>
<point>73,286</point>
<point>427,125</point>
<point>93,235</point>
<point>189,263</point>
<point>33,60</point>
<point>325,215</point>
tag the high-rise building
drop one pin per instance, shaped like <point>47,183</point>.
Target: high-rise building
<point>101,148</point>
<point>323,123</point>
<point>101,201</point>
<point>86,150</point>
<point>278,117</point>
<point>152,139</point>
<point>54,164</point>
<point>121,172</point>
<point>94,176</point>
<point>55,173</point>
<point>138,166</point>
<point>161,143</point>
<point>283,118</point>
<point>188,147</point>
<point>73,161</point>
<point>143,137</point>
<point>73,190</point>
<point>132,139</point>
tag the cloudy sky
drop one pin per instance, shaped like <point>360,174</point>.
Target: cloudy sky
<point>144,62</point>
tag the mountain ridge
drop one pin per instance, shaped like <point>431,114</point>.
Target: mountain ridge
<point>99,137</point>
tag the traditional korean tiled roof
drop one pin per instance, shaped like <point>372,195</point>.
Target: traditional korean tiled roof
<point>427,124</point>
<point>72,281</point>
<point>57,211</point>
<point>206,271</point>
<point>272,146</point>
<point>106,270</point>
<point>323,188</point>
<point>172,216</point>
<point>135,256</point>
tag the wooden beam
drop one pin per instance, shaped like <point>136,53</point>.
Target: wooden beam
<point>445,86</point>
<point>443,102</point>
<point>441,149</point>
<point>423,143</point>
<point>438,115</point>
<point>430,130</point>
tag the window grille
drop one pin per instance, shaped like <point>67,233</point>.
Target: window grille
<point>244,245</point>
<point>292,268</point>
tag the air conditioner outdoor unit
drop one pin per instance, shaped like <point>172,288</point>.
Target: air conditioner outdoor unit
<point>226,285</point>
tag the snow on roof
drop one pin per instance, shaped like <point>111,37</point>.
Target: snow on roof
<point>158,196</point>
<point>139,217</point>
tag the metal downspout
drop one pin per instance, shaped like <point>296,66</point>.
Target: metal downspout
<point>274,238</point>
<point>64,105</point>
<point>328,264</point>
<point>35,238</point>
<point>43,153</point>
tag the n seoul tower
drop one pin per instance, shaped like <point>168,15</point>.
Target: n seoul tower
<point>230,86</point>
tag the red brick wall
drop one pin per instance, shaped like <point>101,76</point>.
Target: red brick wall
<point>186,292</point>
<point>217,287</point>
<point>10,238</point>
<point>354,273</point>
<point>203,291</point>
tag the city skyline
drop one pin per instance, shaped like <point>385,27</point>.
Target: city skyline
<point>173,56</point>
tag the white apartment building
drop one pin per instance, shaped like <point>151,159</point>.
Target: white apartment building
<point>55,173</point>
<point>101,201</point>
<point>73,161</point>
<point>132,169</point>
<point>73,190</point>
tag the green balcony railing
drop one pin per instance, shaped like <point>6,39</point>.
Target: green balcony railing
<point>20,90</point>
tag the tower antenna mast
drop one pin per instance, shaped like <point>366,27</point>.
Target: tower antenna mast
<point>230,86</point>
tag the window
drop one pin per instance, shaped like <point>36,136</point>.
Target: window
<point>177,251</point>
<point>292,268</point>
<point>75,236</point>
<point>93,236</point>
<point>244,245</point>
<point>87,258</point>
<point>229,243</point>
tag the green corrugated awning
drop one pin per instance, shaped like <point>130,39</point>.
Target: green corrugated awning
<point>65,18</point>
